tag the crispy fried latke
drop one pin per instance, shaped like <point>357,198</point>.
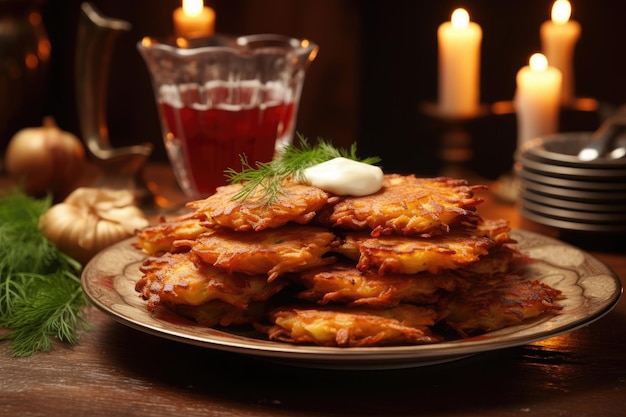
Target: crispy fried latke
<point>495,229</point>
<point>296,203</point>
<point>492,302</point>
<point>182,278</point>
<point>353,327</point>
<point>410,255</point>
<point>160,238</point>
<point>272,251</point>
<point>220,313</point>
<point>407,205</point>
<point>343,283</point>
<point>313,268</point>
<point>498,260</point>
<point>501,256</point>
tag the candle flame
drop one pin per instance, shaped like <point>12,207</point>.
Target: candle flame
<point>538,62</point>
<point>146,41</point>
<point>193,7</point>
<point>460,19</point>
<point>561,11</point>
<point>182,42</point>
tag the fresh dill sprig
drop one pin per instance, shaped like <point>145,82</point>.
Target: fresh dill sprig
<point>291,163</point>
<point>40,291</point>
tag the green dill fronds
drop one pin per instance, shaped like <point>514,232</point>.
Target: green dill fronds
<point>22,245</point>
<point>291,164</point>
<point>40,291</point>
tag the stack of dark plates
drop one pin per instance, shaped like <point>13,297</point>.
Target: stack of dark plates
<point>560,190</point>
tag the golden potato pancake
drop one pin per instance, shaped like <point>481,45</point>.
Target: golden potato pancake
<point>296,203</point>
<point>219,313</point>
<point>182,278</point>
<point>498,260</point>
<point>353,327</point>
<point>392,268</point>
<point>343,283</point>
<point>495,229</point>
<point>489,303</point>
<point>160,238</point>
<point>272,251</point>
<point>411,255</point>
<point>407,205</point>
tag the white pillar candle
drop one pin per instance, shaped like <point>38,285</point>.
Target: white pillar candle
<point>459,44</point>
<point>537,99</point>
<point>558,40</point>
<point>193,20</point>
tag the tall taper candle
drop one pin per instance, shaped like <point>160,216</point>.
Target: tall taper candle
<point>558,40</point>
<point>459,44</point>
<point>537,99</point>
<point>193,19</point>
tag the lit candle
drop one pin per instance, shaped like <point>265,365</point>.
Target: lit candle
<point>459,65</point>
<point>537,99</point>
<point>194,20</point>
<point>558,39</point>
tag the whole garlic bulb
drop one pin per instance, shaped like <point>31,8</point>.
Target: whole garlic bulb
<point>46,158</point>
<point>91,219</point>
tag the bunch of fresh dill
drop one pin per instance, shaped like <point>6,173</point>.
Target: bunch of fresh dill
<point>40,291</point>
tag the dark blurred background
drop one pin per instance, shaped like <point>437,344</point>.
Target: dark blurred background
<point>376,68</point>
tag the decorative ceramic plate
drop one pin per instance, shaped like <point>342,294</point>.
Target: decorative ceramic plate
<point>584,196</point>
<point>542,216</point>
<point>573,173</point>
<point>572,184</point>
<point>590,288</point>
<point>563,148</point>
<point>583,217</point>
<point>547,200</point>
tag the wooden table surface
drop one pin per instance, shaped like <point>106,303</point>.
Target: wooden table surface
<point>119,371</point>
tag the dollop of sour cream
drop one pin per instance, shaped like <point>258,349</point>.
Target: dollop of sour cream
<point>343,176</point>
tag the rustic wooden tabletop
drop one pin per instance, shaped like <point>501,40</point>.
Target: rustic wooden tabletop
<point>116,370</point>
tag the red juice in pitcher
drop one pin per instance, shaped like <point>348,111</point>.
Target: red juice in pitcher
<point>208,129</point>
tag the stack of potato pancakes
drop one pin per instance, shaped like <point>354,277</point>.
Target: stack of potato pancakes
<point>413,263</point>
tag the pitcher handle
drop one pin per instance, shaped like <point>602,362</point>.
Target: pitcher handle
<point>96,35</point>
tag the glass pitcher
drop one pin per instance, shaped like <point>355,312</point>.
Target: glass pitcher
<point>223,98</point>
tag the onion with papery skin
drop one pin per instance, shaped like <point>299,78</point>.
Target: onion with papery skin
<point>91,219</point>
<point>46,159</point>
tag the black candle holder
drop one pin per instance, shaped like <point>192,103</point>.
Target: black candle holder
<point>456,146</point>
<point>455,141</point>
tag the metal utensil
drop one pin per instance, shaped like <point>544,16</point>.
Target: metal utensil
<point>605,140</point>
